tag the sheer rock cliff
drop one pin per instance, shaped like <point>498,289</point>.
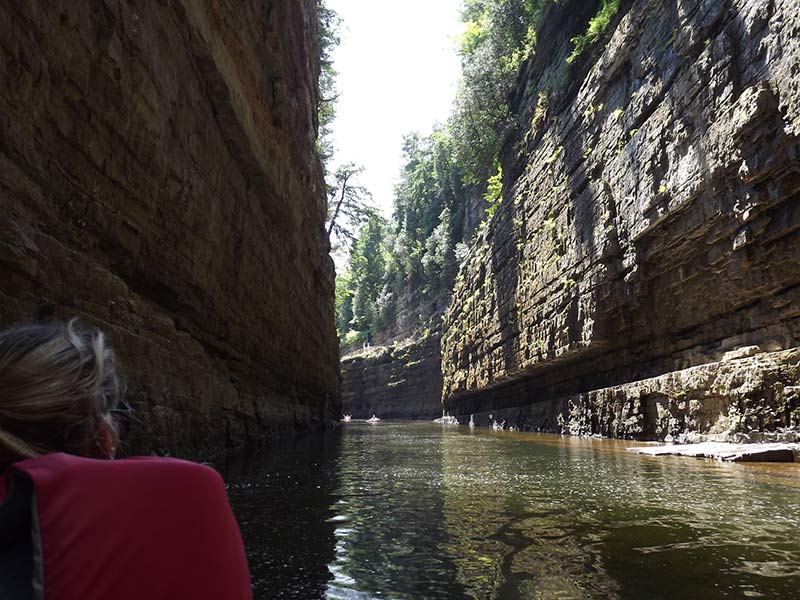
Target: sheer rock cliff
<point>650,227</point>
<point>158,178</point>
<point>402,380</point>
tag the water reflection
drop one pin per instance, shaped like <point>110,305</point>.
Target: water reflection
<point>390,515</point>
<point>426,511</point>
<point>514,538</point>
<point>282,500</point>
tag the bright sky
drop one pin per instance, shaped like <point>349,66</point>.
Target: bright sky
<point>397,73</point>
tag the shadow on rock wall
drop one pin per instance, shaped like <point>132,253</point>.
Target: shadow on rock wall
<point>653,220</point>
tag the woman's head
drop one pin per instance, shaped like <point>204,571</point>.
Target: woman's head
<point>58,386</point>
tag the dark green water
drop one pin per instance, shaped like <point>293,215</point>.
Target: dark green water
<point>405,510</point>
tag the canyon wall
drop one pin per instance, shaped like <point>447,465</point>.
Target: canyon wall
<point>650,226</point>
<point>400,375</point>
<point>158,178</point>
<point>402,380</point>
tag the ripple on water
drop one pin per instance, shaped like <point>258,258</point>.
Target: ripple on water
<point>419,511</point>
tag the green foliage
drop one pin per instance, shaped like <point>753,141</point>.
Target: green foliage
<point>461,252</point>
<point>429,215</point>
<point>494,190</point>
<point>672,37</point>
<point>417,255</point>
<point>597,27</point>
<point>353,337</point>
<point>328,24</point>
<point>592,110</point>
<point>494,186</point>
<point>555,155</point>
<point>368,265</point>
<point>540,112</point>
<point>438,248</point>
<point>473,36</point>
<point>360,299</point>
<point>499,36</point>
<point>344,302</point>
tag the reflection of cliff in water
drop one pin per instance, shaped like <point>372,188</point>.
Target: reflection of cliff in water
<point>282,501</point>
<point>389,517</point>
<point>539,516</point>
<point>513,535</point>
<point>419,510</point>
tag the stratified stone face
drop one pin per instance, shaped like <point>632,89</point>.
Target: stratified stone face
<point>158,178</point>
<point>399,381</point>
<point>652,214</point>
<point>749,398</point>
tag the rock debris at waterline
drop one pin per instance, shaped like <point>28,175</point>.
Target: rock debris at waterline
<point>727,452</point>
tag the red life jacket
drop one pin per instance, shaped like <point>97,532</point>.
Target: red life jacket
<point>142,528</point>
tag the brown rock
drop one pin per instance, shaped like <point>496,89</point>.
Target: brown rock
<point>158,178</point>
<point>651,226</point>
<point>400,381</point>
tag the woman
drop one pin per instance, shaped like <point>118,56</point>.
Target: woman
<point>75,524</point>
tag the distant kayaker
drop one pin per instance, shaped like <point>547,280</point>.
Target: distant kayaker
<point>75,525</point>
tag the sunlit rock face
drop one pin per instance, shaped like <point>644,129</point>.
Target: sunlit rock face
<point>158,178</point>
<point>650,223</point>
<point>400,381</point>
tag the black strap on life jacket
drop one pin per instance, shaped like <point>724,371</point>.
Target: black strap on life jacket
<point>20,545</point>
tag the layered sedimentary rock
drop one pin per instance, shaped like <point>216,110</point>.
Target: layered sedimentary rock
<point>736,399</point>
<point>158,178</point>
<point>399,381</point>
<point>650,223</point>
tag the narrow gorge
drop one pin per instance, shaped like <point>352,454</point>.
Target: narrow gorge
<point>640,276</point>
<point>159,179</point>
<point>451,299</point>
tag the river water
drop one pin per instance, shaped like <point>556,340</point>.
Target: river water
<point>420,510</point>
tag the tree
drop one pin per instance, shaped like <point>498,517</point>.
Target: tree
<point>328,23</point>
<point>498,36</point>
<point>416,258</point>
<point>344,303</point>
<point>349,205</point>
<point>368,269</point>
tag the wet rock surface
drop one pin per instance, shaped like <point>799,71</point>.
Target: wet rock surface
<point>158,179</point>
<point>400,381</point>
<point>728,452</point>
<point>651,223</point>
<point>745,400</point>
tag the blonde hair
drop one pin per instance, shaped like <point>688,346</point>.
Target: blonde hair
<point>58,386</point>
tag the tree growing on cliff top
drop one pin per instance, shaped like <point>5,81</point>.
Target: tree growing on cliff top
<point>344,302</point>
<point>428,214</point>
<point>349,205</point>
<point>499,35</point>
<point>328,23</point>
